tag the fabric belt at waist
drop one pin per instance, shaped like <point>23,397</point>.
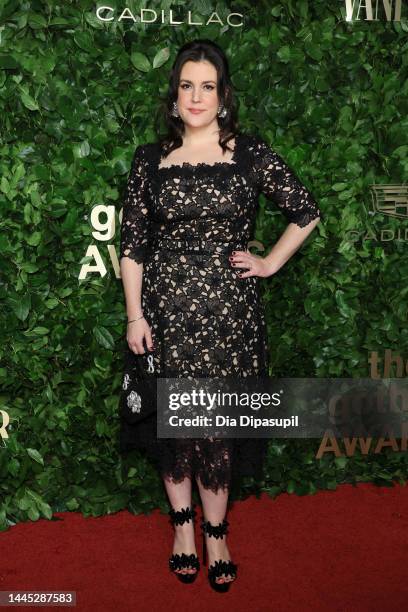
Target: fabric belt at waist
<point>196,245</point>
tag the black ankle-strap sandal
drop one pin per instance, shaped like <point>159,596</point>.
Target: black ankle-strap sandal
<point>219,568</point>
<point>183,561</point>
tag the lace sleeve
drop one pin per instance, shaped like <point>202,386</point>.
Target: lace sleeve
<point>136,223</point>
<point>281,185</point>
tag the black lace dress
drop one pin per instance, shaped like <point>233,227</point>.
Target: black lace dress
<point>183,222</point>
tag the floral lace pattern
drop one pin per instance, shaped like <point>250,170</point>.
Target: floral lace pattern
<point>182,222</point>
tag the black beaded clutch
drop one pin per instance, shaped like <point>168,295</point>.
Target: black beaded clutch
<point>138,397</point>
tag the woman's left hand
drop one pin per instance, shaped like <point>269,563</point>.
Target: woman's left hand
<point>252,265</point>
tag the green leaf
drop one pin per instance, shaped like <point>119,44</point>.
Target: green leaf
<point>36,21</point>
<point>21,306</point>
<point>93,20</point>
<point>82,150</point>
<point>24,502</point>
<point>8,62</point>
<point>34,454</point>
<point>84,41</point>
<point>34,239</point>
<point>37,331</point>
<point>343,305</point>
<point>284,54</point>
<point>72,504</point>
<point>4,185</point>
<point>161,57</point>
<point>33,513</point>
<point>57,21</point>
<point>45,509</point>
<point>13,467</point>
<point>29,267</point>
<point>313,51</point>
<point>140,61</point>
<point>29,102</point>
<point>104,337</point>
<point>36,199</point>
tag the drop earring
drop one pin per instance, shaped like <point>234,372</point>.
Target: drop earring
<point>222,111</point>
<point>175,112</point>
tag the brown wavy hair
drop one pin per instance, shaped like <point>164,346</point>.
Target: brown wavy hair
<point>195,51</point>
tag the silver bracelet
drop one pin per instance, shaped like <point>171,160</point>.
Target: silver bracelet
<point>135,319</point>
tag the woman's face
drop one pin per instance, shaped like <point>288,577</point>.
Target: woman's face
<point>198,90</point>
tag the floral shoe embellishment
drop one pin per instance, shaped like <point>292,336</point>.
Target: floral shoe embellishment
<point>219,568</point>
<point>182,561</point>
<point>216,531</point>
<point>179,517</point>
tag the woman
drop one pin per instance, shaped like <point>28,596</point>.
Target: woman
<point>188,214</point>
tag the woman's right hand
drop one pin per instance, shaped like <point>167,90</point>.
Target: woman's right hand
<point>136,332</point>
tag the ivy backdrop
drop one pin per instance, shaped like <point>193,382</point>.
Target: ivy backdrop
<point>77,97</point>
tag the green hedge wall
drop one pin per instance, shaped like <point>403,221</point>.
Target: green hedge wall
<point>77,97</point>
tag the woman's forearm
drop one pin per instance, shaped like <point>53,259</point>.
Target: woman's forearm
<point>288,244</point>
<point>132,278</point>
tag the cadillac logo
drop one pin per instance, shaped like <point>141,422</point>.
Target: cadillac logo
<point>391,200</point>
<point>147,15</point>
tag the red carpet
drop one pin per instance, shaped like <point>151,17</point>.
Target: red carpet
<point>344,550</point>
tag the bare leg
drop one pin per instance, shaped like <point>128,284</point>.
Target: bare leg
<point>214,510</point>
<point>180,497</point>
